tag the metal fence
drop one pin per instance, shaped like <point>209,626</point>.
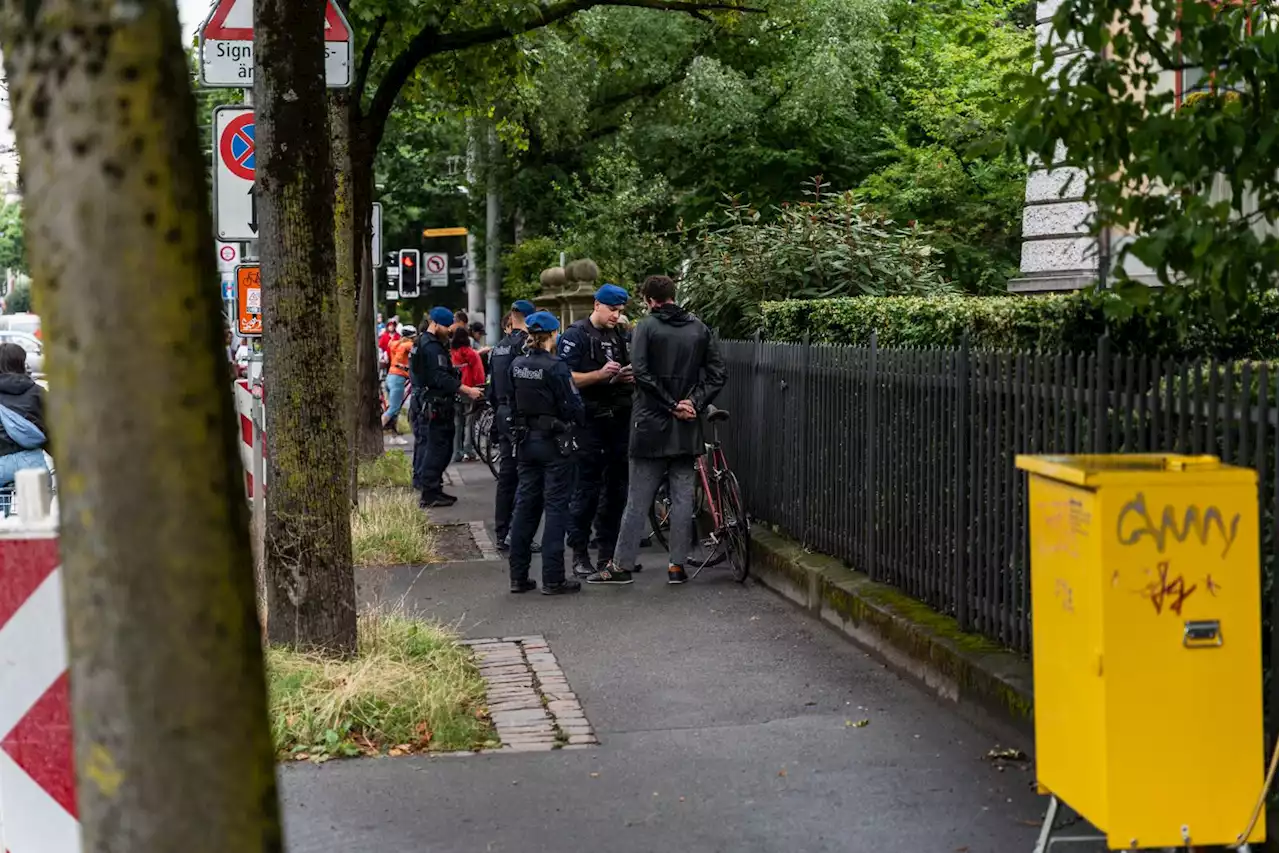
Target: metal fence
<point>901,461</point>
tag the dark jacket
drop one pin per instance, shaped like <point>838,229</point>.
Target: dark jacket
<point>674,358</point>
<point>22,395</point>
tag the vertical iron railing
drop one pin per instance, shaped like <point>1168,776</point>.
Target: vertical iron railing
<point>901,461</point>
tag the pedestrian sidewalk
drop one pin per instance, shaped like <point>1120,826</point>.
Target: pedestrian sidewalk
<point>727,720</point>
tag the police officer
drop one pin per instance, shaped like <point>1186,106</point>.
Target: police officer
<point>545,410</point>
<point>435,387</point>
<point>596,352</point>
<point>501,356</point>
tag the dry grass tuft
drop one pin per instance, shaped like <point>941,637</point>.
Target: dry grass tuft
<point>388,529</point>
<point>411,688</point>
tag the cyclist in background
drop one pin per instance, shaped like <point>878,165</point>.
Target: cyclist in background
<point>678,371</point>
<point>398,377</point>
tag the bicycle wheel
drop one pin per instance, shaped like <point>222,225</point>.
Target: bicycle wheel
<point>482,440</point>
<point>660,516</point>
<point>737,528</point>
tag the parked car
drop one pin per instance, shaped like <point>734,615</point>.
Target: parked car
<point>34,348</point>
<point>27,323</point>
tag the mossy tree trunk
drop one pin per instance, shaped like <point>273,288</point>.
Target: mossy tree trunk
<point>368,407</point>
<point>310,581</point>
<point>347,256</point>
<point>172,744</point>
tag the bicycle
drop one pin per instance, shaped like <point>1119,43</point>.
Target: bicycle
<point>482,435</point>
<point>718,501</point>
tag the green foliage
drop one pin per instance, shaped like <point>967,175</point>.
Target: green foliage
<point>19,299</point>
<point>524,263</point>
<point>827,246</point>
<point>1071,323</point>
<point>943,68</point>
<point>13,244</point>
<point>1196,181</point>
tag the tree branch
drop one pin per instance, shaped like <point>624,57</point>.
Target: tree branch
<point>366,59</point>
<point>430,41</point>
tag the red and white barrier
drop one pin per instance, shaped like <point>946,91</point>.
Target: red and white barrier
<point>249,404</point>
<point>37,767</point>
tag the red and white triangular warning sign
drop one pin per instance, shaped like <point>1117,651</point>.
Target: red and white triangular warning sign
<point>232,20</point>
<point>226,46</point>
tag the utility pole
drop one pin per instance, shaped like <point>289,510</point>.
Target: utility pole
<point>492,240</point>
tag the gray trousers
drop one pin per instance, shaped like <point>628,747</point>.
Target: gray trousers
<point>645,477</point>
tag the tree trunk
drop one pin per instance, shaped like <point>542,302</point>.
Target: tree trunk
<point>344,222</point>
<point>167,686</point>
<point>368,405</point>
<point>310,582</point>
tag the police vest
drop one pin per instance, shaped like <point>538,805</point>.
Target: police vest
<point>603,346</point>
<point>503,353</point>
<point>428,358</point>
<point>532,390</point>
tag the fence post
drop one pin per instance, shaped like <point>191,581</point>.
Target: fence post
<point>961,491</point>
<point>1102,396</point>
<point>868,481</point>
<point>805,484</point>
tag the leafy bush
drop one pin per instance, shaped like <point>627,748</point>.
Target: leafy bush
<point>1071,323</point>
<point>19,299</point>
<point>523,263</point>
<point>828,246</point>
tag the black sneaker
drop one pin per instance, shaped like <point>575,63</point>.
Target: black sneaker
<point>450,498</point>
<point>523,586</point>
<point>611,574</point>
<point>562,588</point>
<point>504,545</point>
<point>675,575</point>
<point>582,565</point>
<point>602,564</point>
<point>434,501</point>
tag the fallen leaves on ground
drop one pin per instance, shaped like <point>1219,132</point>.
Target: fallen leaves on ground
<point>859,724</point>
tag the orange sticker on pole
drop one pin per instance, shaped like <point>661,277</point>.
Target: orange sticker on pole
<point>248,301</point>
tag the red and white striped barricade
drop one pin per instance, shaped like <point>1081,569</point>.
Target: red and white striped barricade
<point>37,766</point>
<point>249,407</point>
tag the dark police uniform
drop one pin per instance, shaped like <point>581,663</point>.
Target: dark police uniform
<point>546,407</point>
<point>435,386</point>
<point>602,452</point>
<point>501,356</point>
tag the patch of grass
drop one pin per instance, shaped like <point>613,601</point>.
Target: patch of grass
<point>410,688</point>
<point>388,529</point>
<point>392,468</point>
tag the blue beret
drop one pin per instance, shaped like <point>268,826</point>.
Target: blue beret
<point>524,306</point>
<point>542,321</point>
<point>611,294</point>
<point>440,316</point>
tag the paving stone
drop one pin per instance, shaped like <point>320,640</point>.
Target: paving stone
<point>562,706</point>
<point>560,695</point>
<point>544,729</point>
<point>515,705</point>
<point>574,740</point>
<point>525,679</point>
<point>580,746</point>
<point>526,638</point>
<point>519,716</point>
<point>530,747</point>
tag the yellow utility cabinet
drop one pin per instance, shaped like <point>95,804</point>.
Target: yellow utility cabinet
<point>1146,642</point>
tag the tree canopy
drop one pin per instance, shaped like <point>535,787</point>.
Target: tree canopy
<point>626,129</point>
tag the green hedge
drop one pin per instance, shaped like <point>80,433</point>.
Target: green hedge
<point>1070,323</point>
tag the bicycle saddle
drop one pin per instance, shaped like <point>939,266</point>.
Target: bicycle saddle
<point>715,415</point>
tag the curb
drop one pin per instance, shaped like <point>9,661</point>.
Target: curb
<point>963,669</point>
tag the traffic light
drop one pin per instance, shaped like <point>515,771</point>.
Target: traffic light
<point>409,273</point>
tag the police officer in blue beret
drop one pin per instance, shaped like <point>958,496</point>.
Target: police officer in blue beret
<point>435,388</point>
<point>501,356</point>
<point>546,408</point>
<point>596,352</point>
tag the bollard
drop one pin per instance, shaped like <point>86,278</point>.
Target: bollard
<point>37,765</point>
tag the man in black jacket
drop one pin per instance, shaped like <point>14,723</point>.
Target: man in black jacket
<point>678,372</point>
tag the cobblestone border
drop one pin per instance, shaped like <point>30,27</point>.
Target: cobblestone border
<point>480,533</point>
<point>530,703</point>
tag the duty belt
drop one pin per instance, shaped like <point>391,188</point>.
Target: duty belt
<point>545,422</point>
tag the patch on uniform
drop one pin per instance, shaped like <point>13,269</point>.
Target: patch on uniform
<point>566,344</point>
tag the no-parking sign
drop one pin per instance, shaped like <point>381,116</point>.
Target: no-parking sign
<point>235,207</point>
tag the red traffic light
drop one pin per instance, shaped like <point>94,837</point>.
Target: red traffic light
<point>407,260</point>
